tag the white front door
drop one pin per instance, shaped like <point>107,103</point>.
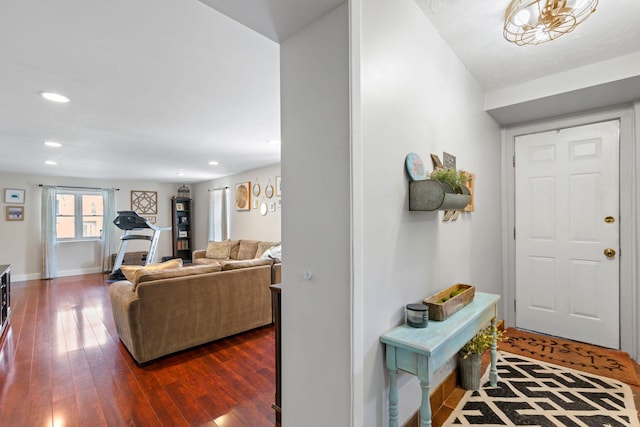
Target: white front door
<point>567,223</point>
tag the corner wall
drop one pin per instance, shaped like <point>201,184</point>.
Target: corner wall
<point>20,241</point>
<point>416,96</point>
<point>249,224</point>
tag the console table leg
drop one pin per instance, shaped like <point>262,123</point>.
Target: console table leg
<point>393,398</point>
<point>425,406</point>
<point>493,372</point>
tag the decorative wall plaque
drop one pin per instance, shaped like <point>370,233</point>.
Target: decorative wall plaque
<point>144,202</point>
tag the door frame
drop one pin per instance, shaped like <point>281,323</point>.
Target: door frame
<point>629,196</point>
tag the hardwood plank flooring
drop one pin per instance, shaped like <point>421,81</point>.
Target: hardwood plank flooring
<point>62,363</point>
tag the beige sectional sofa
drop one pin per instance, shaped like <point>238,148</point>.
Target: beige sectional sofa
<point>237,251</point>
<point>167,310</point>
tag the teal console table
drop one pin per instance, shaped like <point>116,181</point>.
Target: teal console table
<point>422,351</point>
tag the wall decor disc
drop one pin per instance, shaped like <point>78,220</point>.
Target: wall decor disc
<point>415,167</point>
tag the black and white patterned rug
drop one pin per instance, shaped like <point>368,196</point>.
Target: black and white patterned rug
<point>534,393</point>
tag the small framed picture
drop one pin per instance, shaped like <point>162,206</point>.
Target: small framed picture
<point>15,213</point>
<point>183,233</point>
<point>278,192</point>
<point>254,204</point>
<point>268,191</point>
<point>13,196</point>
<point>179,206</point>
<point>272,206</point>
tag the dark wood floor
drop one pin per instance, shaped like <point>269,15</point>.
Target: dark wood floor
<point>62,364</point>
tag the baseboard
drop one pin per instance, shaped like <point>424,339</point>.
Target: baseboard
<point>437,398</point>
<point>63,273</point>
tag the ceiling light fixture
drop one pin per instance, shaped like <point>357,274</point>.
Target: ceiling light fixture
<point>52,144</point>
<point>55,97</point>
<point>540,21</point>
<point>50,162</point>
<point>274,141</point>
<point>213,163</point>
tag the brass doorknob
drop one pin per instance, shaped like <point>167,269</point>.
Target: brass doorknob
<point>609,253</point>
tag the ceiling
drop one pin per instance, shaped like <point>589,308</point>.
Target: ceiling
<point>159,88</point>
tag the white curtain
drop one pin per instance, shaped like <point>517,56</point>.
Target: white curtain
<point>108,228</point>
<point>49,241</point>
<point>218,215</point>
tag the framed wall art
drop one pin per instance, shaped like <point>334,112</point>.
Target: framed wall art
<point>15,213</point>
<point>243,196</point>
<point>144,202</point>
<point>278,192</point>
<point>13,196</point>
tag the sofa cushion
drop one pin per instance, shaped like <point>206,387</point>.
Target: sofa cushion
<point>130,271</point>
<point>263,246</point>
<point>219,250</point>
<point>238,264</point>
<point>247,249</point>
<point>235,246</point>
<point>207,261</point>
<point>148,276</point>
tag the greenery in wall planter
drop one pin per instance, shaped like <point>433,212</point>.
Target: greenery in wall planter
<point>470,356</point>
<point>453,177</point>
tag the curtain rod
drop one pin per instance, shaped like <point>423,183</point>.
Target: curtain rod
<point>80,188</point>
<point>218,188</point>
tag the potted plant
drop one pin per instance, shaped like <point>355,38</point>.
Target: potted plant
<point>455,178</point>
<point>470,356</point>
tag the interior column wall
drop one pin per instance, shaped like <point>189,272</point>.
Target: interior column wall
<point>316,278</point>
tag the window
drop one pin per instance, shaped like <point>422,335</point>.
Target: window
<point>78,215</point>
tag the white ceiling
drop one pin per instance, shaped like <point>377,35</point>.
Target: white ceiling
<point>159,87</point>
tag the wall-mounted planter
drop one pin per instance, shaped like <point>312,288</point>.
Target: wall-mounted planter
<point>431,195</point>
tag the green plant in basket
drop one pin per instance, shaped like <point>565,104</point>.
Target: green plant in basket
<point>482,341</point>
<point>450,175</point>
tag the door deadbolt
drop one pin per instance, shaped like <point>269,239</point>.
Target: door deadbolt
<point>609,219</point>
<point>609,253</point>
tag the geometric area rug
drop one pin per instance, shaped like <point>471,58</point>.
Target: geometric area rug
<point>535,393</point>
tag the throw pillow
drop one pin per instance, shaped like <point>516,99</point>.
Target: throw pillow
<point>131,271</point>
<point>219,250</point>
<point>170,273</point>
<point>235,245</point>
<point>247,249</point>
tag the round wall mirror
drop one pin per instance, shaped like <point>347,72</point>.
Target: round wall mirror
<point>268,191</point>
<point>256,190</point>
<point>263,208</point>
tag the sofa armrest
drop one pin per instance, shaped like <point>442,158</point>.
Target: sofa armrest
<point>126,314</point>
<point>200,253</point>
<point>276,273</point>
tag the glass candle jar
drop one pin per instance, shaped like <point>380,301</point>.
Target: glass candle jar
<point>417,315</point>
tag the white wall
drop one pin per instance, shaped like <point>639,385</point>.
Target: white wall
<point>20,243</point>
<point>250,225</point>
<point>316,224</point>
<point>416,97</point>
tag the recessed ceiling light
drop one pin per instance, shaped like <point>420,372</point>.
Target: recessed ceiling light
<point>50,162</point>
<point>55,97</point>
<point>52,144</point>
<point>180,173</point>
<point>274,141</point>
<point>213,163</point>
